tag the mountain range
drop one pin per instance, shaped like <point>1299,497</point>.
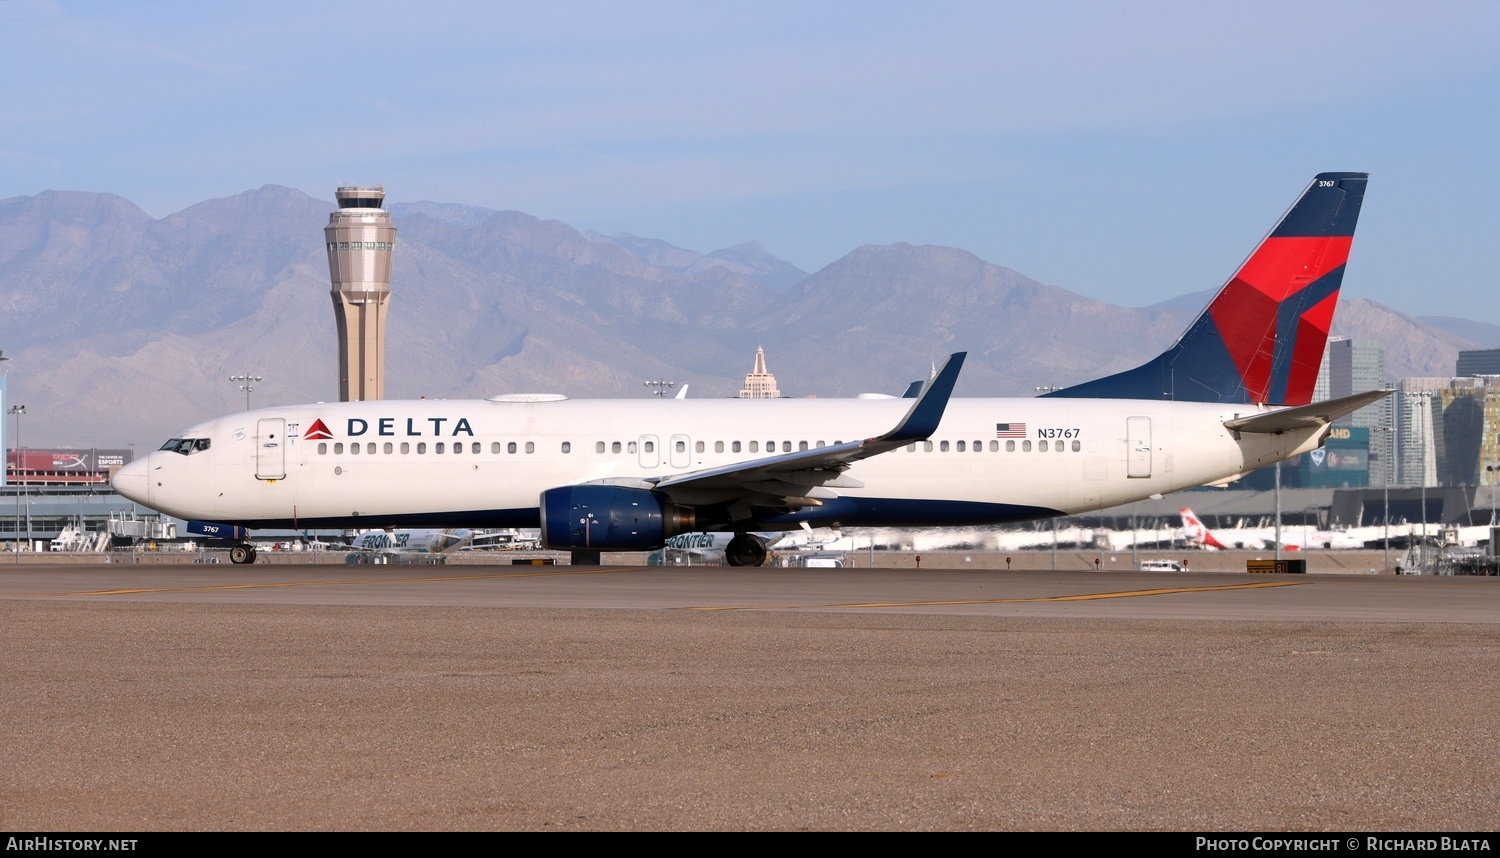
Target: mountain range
<point>122,328</point>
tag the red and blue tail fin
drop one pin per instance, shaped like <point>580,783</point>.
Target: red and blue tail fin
<point>1261,338</point>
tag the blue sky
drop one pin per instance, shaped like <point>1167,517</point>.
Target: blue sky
<point>1127,151</point>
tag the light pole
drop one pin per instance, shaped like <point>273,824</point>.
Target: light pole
<point>662,386</point>
<point>1386,467</point>
<point>1419,400</point>
<point>247,383</point>
<point>1278,514</point>
<point>1493,473</point>
<point>16,411</point>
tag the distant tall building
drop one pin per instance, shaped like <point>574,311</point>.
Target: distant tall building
<point>1355,366</point>
<point>1478,362</point>
<point>1418,428</point>
<point>361,242</point>
<point>760,384</point>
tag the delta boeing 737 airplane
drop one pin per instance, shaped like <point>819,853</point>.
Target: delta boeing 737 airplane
<point>1231,395</point>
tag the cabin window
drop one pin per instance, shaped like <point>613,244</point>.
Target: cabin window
<point>421,447</point>
<point>755,446</point>
<point>1076,447</point>
<point>718,446</point>
<point>927,446</point>
<point>530,446</point>
<point>389,448</point>
<point>962,447</point>
<point>439,447</point>
<point>354,449</point>
<point>994,446</point>
<point>786,446</point>
<point>820,444</point>
<point>734,447</point>
<point>1010,446</point>
<point>405,448</point>
<point>801,445</point>
<point>476,448</point>
<point>630,447</point>
<point>338,447</point>
<point>599,447</point>
<point>614,447</point>
<point>1041,446</point>
<point>1025,446</point>
<point>912,447</point>
<point>1059,446</point>
<point>567,446</point>
<point>322,448</point>
<point>943,446</point>
<point>458,447</point>
<point>681,446</point>
<point>698,446</point>
<point>510,447</point>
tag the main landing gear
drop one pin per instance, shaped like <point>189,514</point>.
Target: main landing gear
<point>242,553</point>
<point>745,549</point>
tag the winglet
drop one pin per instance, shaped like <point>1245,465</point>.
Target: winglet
<point>926,413</point>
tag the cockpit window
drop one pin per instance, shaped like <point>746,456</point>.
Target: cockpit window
<point>185,446</point>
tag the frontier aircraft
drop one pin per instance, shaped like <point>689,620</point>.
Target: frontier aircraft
<point>1231,395</point>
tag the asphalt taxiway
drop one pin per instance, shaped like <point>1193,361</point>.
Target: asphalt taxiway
<point>490,697</point>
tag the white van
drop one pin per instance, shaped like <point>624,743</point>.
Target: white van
<point>1161,566</point>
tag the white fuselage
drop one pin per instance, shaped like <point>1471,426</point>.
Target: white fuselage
<point>484,463</point>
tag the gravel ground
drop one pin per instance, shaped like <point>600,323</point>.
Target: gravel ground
<point>140,716</point>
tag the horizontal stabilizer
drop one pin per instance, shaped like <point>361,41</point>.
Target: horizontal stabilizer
<point>1305,416</point>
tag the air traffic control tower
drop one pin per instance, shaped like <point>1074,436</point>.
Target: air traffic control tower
<point>361,242</point>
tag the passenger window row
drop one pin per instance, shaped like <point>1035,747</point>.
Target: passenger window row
<point>994,446</point>
<point>370,448</point>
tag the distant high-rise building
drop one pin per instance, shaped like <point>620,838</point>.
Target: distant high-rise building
<point>760,384</point>
<point>1478,362</point>
<point>361,242</point>
<point>1418,425</point>
<point>1355,366</point>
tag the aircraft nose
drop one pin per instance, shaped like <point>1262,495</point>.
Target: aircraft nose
<point>131,481</point>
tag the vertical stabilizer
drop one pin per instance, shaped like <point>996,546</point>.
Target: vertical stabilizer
<point>1261,338</point>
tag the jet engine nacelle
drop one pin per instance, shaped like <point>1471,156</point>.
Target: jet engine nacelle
<point>610,518</point>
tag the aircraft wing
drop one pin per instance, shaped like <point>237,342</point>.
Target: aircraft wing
<point>798,479</point>
<point>1305,416</point>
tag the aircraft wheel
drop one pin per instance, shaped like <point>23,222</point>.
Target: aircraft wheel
<point>241,554</point>
<point>745,550</point>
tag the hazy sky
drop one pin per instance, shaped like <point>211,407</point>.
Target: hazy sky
<point>1128,151</point>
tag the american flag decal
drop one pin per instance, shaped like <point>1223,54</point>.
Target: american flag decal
<point>1010,430</point>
